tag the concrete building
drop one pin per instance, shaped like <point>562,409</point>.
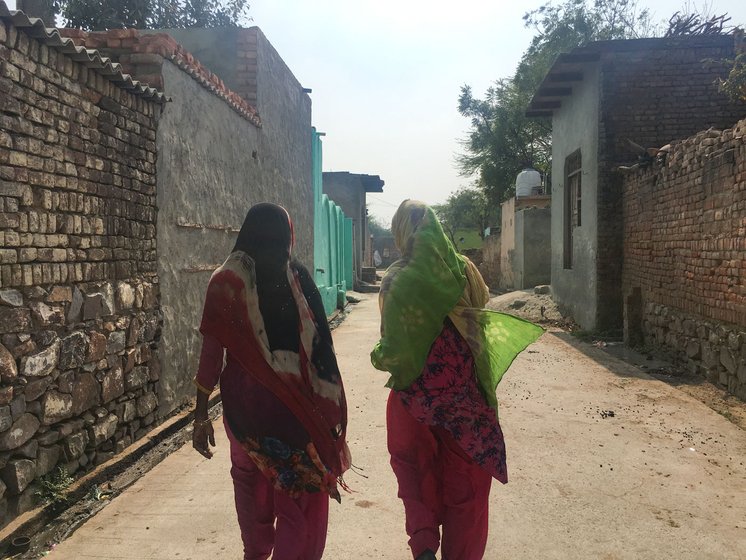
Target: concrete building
<point>525,244</point>
<point>649,91</point>
<point>348,191</point>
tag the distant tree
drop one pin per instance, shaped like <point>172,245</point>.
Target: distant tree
<point>734,86</point>
<point>502,140</point>
<point>98,15</point>
<point>466,208</point>
<point>376,228</point>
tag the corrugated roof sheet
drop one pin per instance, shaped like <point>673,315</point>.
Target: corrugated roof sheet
<point>92,59</point>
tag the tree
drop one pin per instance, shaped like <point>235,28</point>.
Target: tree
<point>377,229</point>
<point>502,140</point>
<point>98,15</point>
<point>464,209</point>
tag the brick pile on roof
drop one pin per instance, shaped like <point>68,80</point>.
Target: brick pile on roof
<point>91,58</point>
<point>161,44</point>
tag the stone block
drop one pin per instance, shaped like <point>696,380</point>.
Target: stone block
<point>129,411</point>
<point>46,459</point>
<point>693,349</point>
<point>6,418</point>
<point>75,311</point>
<point>103,430</point>
<point>6,394</point>
<point>112,384</point>
<point>48,438</point>
<point>41,363</point>
<point>8,367</point>
<point>92,307</point>
<point>96,346</point>
<point>17,407</point>
<point>116,342</point>
<point>18,474</point>
<point>60,294</point>
<point>146,404</point>
<point>85,394</point>
<point>741,372</point>
<point>14,320</point>
<point>73,351</point>
<point>22,430</point>
<point>125,295</point>
<point>36,388</point>
<point>46,315</point>
<point>74,445</point>
<point>727,360</point>
<point>55,407</point>
<point>136,378</point>
<point>11,298</point>
<point>28,450</point>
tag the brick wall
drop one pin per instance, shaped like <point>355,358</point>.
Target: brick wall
<point>79,312</point>
<point>652,91</point>
<point>685,255</point>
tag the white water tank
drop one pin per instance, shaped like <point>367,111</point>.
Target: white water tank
<point>528,183</point>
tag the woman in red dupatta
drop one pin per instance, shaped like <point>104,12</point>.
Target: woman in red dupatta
<point>266,339</point>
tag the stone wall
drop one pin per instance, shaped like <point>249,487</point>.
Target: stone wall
<point>685,255</point>
<point>216,158</point>
<point>79,312</point>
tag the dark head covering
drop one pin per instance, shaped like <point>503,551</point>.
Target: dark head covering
<point>267,237</point>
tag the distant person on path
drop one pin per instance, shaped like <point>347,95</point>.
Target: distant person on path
<point>446,355</point>
<point>283,401</point>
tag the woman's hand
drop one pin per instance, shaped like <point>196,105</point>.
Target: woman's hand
<point>202,435</point>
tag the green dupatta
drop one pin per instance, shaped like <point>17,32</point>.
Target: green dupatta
<point>429,283</point>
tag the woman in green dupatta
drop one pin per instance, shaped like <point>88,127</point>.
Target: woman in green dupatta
<point>445,355</point>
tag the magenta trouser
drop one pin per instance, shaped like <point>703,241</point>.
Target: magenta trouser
<point>270,519</point>
<point>439,485</point>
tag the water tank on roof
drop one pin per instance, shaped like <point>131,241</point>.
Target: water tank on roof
<point>528,183</point>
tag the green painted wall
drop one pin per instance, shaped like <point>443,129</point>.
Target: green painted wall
<point>332,240</point>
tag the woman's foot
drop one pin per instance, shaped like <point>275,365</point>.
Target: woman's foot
<point>427,555</point>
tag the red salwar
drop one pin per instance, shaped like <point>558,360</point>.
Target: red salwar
<point>446,446</point>
<point>295,528</point>
<point>439,486</point>
<point>269,519</point>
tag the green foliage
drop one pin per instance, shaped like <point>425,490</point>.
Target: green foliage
<point>377,229</point>
<point>502,140</point>
<point>734,86</point>
<point>54,486</point>
<point>151,14</point>
<point>466,209</point>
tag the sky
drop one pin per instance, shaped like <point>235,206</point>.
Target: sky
<point>386,76</point>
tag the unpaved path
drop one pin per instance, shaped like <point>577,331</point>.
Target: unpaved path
<point>664,477</point>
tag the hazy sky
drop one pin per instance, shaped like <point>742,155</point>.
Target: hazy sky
<point>386,76</point>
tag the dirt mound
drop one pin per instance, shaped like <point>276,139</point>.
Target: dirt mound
<point>535,307</point>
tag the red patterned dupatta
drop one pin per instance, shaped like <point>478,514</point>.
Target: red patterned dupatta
<point>308,384</point>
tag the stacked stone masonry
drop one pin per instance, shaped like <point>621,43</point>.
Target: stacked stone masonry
<point>685,254</point>
<point>79,311</point>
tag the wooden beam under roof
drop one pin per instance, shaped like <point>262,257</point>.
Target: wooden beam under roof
<point>554,91</point>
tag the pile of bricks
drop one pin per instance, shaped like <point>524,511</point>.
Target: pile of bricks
<point>79,312</point>
<point>685,250</point>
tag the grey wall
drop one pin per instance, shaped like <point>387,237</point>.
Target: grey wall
<point>575,125</point>
<point>208,178</point>
<point>533,247</point>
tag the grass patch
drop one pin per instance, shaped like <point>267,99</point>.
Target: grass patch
<point>53,486</point>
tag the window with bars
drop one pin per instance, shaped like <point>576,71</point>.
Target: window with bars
<point>573,203</point>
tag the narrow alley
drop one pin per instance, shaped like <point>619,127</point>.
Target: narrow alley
<point>605,462</point>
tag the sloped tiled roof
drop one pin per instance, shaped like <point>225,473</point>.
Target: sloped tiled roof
<point>91,58</point>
